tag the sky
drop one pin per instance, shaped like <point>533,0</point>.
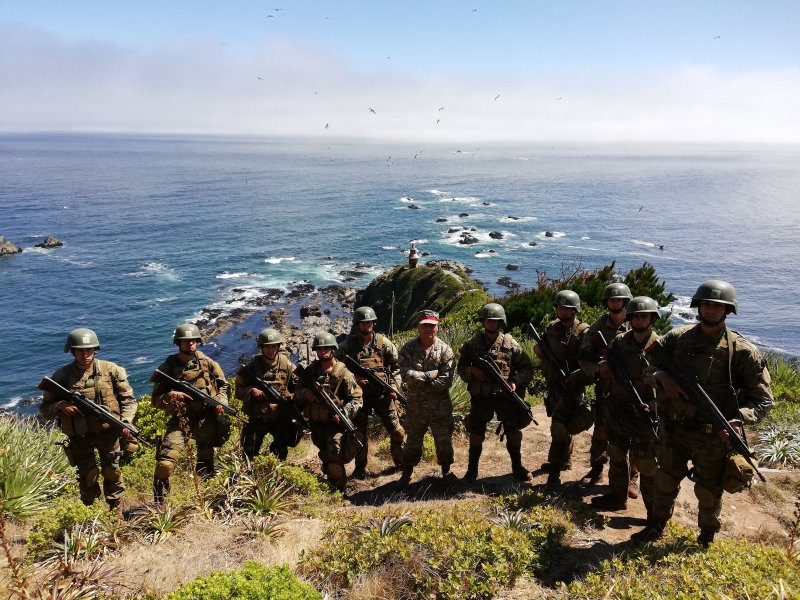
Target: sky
<point>438,70</point>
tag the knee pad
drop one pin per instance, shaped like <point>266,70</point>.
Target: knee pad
<point>615,453</point>
<point>397,435</point>
<point>112,473</point>
<point>705,497</point>
<point>335,471</point>
<point>559,433</point>
<point>167,453</point>
<point>164,469</point>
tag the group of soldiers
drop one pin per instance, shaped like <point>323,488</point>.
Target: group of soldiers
<point>646,422</point>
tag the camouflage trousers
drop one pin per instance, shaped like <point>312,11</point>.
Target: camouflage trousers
<point>680,444</point>
<point>600,435</point>
<point>81,452</point>
<point>570,414</point>
<point>388,414</point>
<point>336,449</point>
<point>283,432</point>
<point>626,454</point>
<point>434,411</point>
<point>202,431</point>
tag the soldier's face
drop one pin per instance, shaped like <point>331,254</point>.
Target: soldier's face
<point>427,331</point>
<point>565,313</point>
<point>491,325</point>
<point>84,356</point>
<point>187,346</point>
<point>641,322</point>
<point>366,327</point>
<point>325,353</point>
<point>712,312</point>
<point>269,351</point>
<point>615,305</point>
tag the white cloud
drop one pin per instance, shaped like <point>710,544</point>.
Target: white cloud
<point>288,88</point>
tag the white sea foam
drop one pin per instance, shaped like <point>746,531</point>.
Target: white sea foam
<point>680,311</point>
<point>589,248</point>
<point>11,403</point>
<point>277,260</point>
<point>166,298</point>
<point>35,250</point>
<point>389,248</point>
<point>237,275</point>
<point>585,237</point>
<point>647,244</point>
<point>516,219</point>
<point>159,270</point>
<point>142,360</point>
<point>485,254</point>
<point>542,235</point>
<point>420,241</point>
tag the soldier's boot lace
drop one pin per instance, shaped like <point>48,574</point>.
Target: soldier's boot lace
<point>593,476</point>
<point>610,502</point>
<point>472,466</point>
<point>652,532</point>
<point>405,478</point>
<point>706,537</point>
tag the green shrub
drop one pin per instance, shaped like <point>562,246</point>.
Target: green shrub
<point>253,582</point>
<point>151,421</point>
<point>678,568</point>
<point>458,551</point>
<point>33,467</point>
<point>785,375</point>
<point>48,528</point>
<point>428,448</point>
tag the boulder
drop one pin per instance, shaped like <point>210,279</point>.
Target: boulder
<point>462,215</point>
<point>468,239</point>
<point>50,242</point>
<point>449,265</point>
<point>506,281</point>
<point>533,243</point>
<point>8,247</point>
<point>441,220</point>
<point>413,206</point>
<point>548,234</point>
<point>453,229</point>
<point>512,267</point>
<point>495,235</point>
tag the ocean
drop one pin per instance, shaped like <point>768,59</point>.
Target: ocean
<point>158,228</point>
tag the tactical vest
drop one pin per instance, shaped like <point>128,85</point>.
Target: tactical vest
<point>199,372</point>
<point>277,375</point>
<point>97,384</point>
<point>502,352</point>
<point>565,343</point>
<point>331,380</point>
<point>632,358</point>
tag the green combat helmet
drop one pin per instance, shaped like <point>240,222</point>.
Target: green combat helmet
<point>492,311</point>
<point>269,336</point>
<point>81,338</point>
<point>616,290</point>
<point>569,299</point>
<point>324,340</point>
<point>643,304</point>
<point>187,331</point>
<point>716,290</point>
<point>364,313</point>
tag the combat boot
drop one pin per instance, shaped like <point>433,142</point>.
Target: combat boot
<point>609,502</point>
<point>446,473</point>
<point>205,469</point>
<point>472,466</point>
<point>593,476</point>
<point>160,490</point>
<point>633,489</point>
<point>554,479</point>
<point>652,532</point>
<point>519,472</point>
<point>706,537</point>
<point>116,509</point>
<point>405,478</point>
<point>359,473</point>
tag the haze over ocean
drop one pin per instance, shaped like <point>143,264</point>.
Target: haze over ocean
<point>157,228</point>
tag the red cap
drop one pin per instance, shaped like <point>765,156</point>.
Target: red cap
<point>428,316</point>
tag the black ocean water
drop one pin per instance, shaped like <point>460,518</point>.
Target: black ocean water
<point>157,228</point>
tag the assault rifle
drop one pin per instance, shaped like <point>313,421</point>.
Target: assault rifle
<point>274,396</point>
<point>187,388</point>
<point>371,375</point>
<point>87,406</point>
<point>548,352</point>
<point>621,377</point>
<point>691,385</point>
<point>489,367</point>
<point>325,398</point>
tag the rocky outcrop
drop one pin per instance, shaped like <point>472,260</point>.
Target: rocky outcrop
<point>50,242</point>
<point>443,289</point>
<point>8,247</point>
<point>496,235</point>
<point>466,238</point>
<point>441,220</point>
<point>512,267</point>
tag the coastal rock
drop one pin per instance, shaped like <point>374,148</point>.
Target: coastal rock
<point>533,243</point>
<point>413,206</point>
<point>425,254</point>
<point>462,215</point>
<point>473,229</point>
<point>506,281</point>
<point>8,247</point>
<point>453,229</point>
<point>441,220</point>
<point>414,289</point>
<point>512,267</point>
<point>448,265</point>
<point>486,203</point>
<point>50,242</point>
<point>246,335</point>
<point>298,290</point>
<point>310,310</point>
<point>513,218</point>
<point>467,239</point>
<point>496,235</point>
<point>548,234</point>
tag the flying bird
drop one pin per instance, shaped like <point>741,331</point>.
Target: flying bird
<point>326,125</point>
<point>559,98</point>
<point>437,121</point>
<point>372,110</point>
<point>716,37</point>
<point>496,97</point>
<point>441,108</point>
<point>474,10</point>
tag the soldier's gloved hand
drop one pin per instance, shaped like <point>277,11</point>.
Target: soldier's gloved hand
<point>256,394</point>
<point>476,373</point>
<point>126,435</point>
<point>392,396</point>
<point>68,409</point>
<point>671,387</point>
<point>513,386</point>
<point>176,396</point>
<point>736,424</point>
<point>362,383</point>
<point>604,370</point>
<point>334,419</point>
<point>219,410</point>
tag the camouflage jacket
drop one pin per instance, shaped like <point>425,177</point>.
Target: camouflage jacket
<point>104,382</point>
<point>591,347</point>
<point>565,342</point>
<point>508,355</point>
<point>201,372</point>
<point>426,373</point>
<point>734,377</point>
<point>279,374</point>
<point>339,382</point>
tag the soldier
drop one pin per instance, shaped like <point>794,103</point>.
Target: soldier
<point>336,449</point>
<point>733,374</point>
<point>630,426</point>
<point>107,384</point>
<point>565,401</point>
<point>426,365</point>
<point>616,297</point>
<point>376,351</point>
<point>264,417</point>
<point>209,428</point>
<point>486,397</point>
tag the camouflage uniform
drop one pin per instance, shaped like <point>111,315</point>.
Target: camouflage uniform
<point>380,354</point>
<point>336,448</point>
<point>265,418</point>
<point>629,431</point>
<point>428,399</point>
<point>733,373</point>
<point>486,398</point>
<point>107,384</point>
<point>565,402</point>
<point>588,357</point>
<point>206,427</point>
